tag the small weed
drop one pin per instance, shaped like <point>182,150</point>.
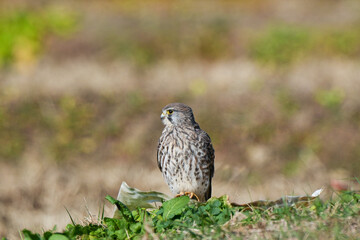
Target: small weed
<point>344,42</point>
<point>330,99</point>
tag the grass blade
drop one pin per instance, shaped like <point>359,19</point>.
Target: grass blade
<point>72,220</point>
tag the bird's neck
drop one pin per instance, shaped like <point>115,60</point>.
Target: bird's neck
<point>177,127</point>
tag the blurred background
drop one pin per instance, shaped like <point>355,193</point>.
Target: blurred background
<point>276,84</point>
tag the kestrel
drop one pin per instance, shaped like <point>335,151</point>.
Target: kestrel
<point>185,154</point>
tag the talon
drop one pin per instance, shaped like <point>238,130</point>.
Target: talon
<point>192,195</point>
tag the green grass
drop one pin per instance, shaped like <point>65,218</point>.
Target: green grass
<point>23,32</point>
<point>282,44</point>
<point>180,218</point>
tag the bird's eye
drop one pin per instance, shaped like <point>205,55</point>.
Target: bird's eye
<point>169,112</point>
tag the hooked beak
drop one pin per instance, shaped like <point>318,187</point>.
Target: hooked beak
<point>163,115</point>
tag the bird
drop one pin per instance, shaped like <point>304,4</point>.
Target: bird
<point>185,154</point>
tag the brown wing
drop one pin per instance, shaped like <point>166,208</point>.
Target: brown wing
<point>211,152</point>
<point>159,155</point>
<point>208,192</point>
<point>210,157</point>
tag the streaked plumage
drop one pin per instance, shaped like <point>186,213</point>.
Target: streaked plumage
<point>185,154</point>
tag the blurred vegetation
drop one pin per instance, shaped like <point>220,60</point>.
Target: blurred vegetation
<point>94,124</point>
<point>218,38</point>
<point>181,34</point>
<point>284,44</point>
<point>280,44</point>
<point>23,32</point>
<point>331,99</point>
<point>71,126</point>
<point>150,40</point>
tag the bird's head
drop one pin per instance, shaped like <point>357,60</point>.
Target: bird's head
<point>175,114</point>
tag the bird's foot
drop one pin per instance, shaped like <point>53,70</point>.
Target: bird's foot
<point>191,195</point>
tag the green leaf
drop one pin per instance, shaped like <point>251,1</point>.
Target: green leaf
<point>47,234</point>
<point>215,203</point>
<point>121,234</point>
<point>114,224</point>
<point>28,235</point>
<point>125,211</point>
<point>74,230</point>
<point>58,237</point>
<point>136,227</point>
<point>175,206</point>
<point>215,211</point>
